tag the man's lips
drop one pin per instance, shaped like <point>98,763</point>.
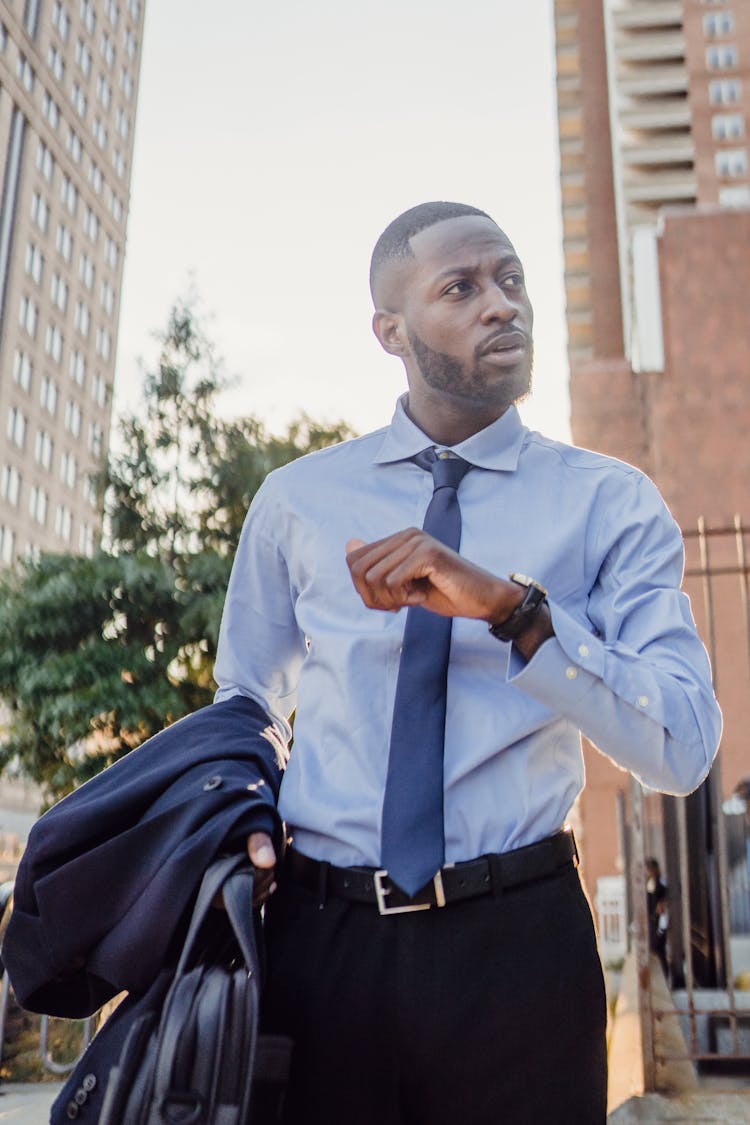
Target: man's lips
<point>504,342</point>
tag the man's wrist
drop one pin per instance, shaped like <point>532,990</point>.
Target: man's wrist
<point>513,623</point>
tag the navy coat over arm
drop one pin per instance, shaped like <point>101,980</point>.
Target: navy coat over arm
<point>109,873</point>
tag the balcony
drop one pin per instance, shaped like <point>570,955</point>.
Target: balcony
<point>665,150</point>
<point>646,48</point>
<point>656,13</point>
<point>666,114</point>
<point>652,81</point>
<point>657,188</point>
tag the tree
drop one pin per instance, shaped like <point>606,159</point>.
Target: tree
<point>97,654</point>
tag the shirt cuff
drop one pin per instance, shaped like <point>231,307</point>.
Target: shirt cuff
<point>563,669</point>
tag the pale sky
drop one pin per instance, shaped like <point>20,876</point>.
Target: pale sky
<point>274,141</point>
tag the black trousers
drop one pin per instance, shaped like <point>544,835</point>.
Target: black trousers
<point>489,1011</point>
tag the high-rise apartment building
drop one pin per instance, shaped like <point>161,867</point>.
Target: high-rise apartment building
<point>654,118</point>
<point>68,85</point>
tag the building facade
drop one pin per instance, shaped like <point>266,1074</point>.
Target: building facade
<point>654,112</point>
<point>68,87</point>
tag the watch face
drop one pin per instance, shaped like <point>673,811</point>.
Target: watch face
<point>524,580</point>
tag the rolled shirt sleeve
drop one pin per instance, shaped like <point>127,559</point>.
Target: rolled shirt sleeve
<point>634,677</point>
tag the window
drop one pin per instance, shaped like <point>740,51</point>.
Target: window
<point>22,370</point>
<point>134,7</point>
<point>107,297</point>
<point>34,262</point>
<point>123,124</point>
<point>60,20</point>
<point>86,540</point>
<point>28,315</point>
<point>95,178</point>
<point>118,162</point>
<point>78,97</point>
<point>74,145</point>
<point>115,207</point>
<point>103,343</point>
<point>63,523</point>
<point>113,12</point>
<point>727,126</point>
<point>55,63</point>
<point>82,318</point>
<point>99,133</point>
<point>89,491</point>
<point>90,224</point>
<point>721,57</point>
<point>108,50</point>
<point>10,484</point>
<point>77,367</point>
<point>58,291</point>
<point>104,91</point>
<point>717,24</point>
<point>64,242</point>
<point>126,83</point>
<point>99,390</point>
<point>16,427</point>
<point>43,449</point>
<point>111,253</point>
<point>7,545</point>
<point>83,58</point>
<point>38,501</point>
<point>45,162</point>
<point>40,211</point>
<point>48,394</point>
<point>88,16</point>
<point>736,196</point>
<point>731,162</point>
<point>54,342</point>
<point>86,271</point>
<point>131,44</point>
<point>724,91</point>
<point>69,195</point>
<point>96,438</point>
<point>73,418</point>
<point>25,72</point>
<point>51,110</point>
<point>68,469</point>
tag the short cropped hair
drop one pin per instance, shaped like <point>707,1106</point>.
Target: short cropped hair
<point>394,242</point>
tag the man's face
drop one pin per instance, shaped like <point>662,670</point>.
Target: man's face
<point>467,316</point>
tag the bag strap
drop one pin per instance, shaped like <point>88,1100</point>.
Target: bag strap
<point>233,876</point>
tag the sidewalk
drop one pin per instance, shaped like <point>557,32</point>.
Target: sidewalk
<point>27,1103</point>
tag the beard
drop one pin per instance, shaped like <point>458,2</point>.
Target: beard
<point>446,373</point>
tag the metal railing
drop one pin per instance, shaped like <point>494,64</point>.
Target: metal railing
<point>703,845</point>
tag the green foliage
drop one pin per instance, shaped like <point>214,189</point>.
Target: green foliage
<point>97,654</point>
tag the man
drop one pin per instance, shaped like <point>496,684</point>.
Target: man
<point>658,913</point>
<point>486,1004</point>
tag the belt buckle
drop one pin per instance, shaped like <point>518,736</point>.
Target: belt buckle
<point>381,892</point>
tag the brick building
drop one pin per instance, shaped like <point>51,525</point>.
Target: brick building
<point>68,85</point>
<point>653,110</point>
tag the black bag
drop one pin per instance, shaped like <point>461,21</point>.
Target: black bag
<point>200,1059</point>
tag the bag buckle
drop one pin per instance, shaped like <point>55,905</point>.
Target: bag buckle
<point>381,892</point>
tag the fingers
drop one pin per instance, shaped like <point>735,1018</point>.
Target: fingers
<point>394,572</point>
<point>263,858</point>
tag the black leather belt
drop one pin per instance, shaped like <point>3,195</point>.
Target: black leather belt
<point>458,881</point>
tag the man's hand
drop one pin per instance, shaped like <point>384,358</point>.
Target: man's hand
<point>412,568</point>
<point>263,858</point>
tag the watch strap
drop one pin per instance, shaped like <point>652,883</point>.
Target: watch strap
<point>525,613</point>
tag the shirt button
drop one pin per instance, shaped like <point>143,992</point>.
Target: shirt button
<point>643,701</point>
<point>583,650</point>
<point>571,672</point>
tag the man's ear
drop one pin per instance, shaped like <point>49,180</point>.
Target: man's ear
<point>389,329</point>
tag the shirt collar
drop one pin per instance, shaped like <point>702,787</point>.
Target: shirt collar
<point>498,446</point>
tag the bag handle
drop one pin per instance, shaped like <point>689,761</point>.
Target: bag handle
<point>233,876</point>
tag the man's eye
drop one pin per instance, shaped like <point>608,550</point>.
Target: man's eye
<point>457,287</point>
<point>512,281</point>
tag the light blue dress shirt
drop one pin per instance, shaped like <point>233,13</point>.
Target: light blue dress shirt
<point>626,666</point>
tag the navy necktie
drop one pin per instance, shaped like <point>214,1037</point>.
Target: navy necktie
<point>413,838</point>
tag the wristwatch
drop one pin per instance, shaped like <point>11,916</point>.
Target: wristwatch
<point>524,614</point>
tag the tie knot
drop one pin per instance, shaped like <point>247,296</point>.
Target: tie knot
<point>447,471</point>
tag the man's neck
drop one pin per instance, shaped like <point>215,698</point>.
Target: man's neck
<point>450,425</point>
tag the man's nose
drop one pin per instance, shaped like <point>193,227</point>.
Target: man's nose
<point>497,305</point>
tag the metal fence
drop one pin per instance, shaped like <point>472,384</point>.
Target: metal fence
<point>702,843</point>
